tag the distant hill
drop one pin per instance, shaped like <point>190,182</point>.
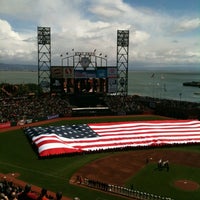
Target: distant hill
<point>132,67</point>
<point>17,67</point>
<point>187,68</point>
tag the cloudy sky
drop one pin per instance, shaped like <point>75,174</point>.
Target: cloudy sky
<point>163,32</point>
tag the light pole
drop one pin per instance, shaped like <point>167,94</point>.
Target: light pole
<point>62,59</point>
<point>180,95</point>
<point>101,59</point>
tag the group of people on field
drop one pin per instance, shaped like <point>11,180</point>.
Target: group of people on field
<point>163,164</point>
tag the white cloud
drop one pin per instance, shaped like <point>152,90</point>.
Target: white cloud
<point>91,24</point>
<point>13,47</point>
<point>6,31</point>
<point>138,37</point>
<point>188,24</point>
<point>106,12</point>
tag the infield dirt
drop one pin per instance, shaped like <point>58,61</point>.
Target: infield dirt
<point>118,168</point>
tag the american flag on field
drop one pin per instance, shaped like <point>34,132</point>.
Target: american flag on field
<point>54,140</point>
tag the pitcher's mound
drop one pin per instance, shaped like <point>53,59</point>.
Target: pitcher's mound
<point>186,185</point>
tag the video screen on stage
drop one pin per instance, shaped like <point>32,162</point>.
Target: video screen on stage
<point>90,85</point>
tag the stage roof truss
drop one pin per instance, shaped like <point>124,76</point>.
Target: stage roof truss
<point>84,61</point>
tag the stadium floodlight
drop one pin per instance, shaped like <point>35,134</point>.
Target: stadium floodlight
<point>44,56</point>
<point>62,59</point>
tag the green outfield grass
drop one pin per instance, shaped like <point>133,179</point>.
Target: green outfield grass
<point>17,155</point>
<point>151,180</point>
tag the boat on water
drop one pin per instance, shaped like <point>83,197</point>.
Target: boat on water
<point>192,84</point>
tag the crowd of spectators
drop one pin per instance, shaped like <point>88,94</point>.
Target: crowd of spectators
<point>177,109</point>
<point>133,104</point>
<point>36,108</point>
<point>125,104</point>
<point>14,109</point>
<point>32,107</point>
<point>10,191</point>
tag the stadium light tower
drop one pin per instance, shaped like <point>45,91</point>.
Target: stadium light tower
<point>122,61</point>
<point>44,57</point>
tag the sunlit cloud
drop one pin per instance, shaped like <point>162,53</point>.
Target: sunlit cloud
<point>155,36</point>
<point>188,25</point>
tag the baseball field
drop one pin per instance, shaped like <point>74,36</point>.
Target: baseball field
<point>136,168</point>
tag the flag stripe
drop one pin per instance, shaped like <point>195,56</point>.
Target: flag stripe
<point>79,138</point>
<point>123,141</point>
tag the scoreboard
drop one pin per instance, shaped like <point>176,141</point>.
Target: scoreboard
<point>73,81</point>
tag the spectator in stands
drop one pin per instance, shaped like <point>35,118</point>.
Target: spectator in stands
<point>58,195</point>
<point>9,191</point>
<point>3,197</point>
<point>27,194</point>
<point>14,109</point>
<point>13,196</point>
<point>43,195</point>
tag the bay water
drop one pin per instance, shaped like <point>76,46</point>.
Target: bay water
<point>164,85</point>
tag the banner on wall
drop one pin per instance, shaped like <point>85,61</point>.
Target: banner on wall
<point>57,85</point>
<point>112,85</point>
<point>5,125</point>
<point>101,73</point>
<point>68,72</point>
<point>56,72</point>
<point>112,72</point>
<point>85,74</point>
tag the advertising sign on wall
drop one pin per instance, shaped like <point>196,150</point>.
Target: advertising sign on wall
<point>57,85</point>
<point>85,74</point>
<point>56,72</point>
<point>112,72</point>
<point>101,73</point>
<point>112,85</point>
<point>68,72</point>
